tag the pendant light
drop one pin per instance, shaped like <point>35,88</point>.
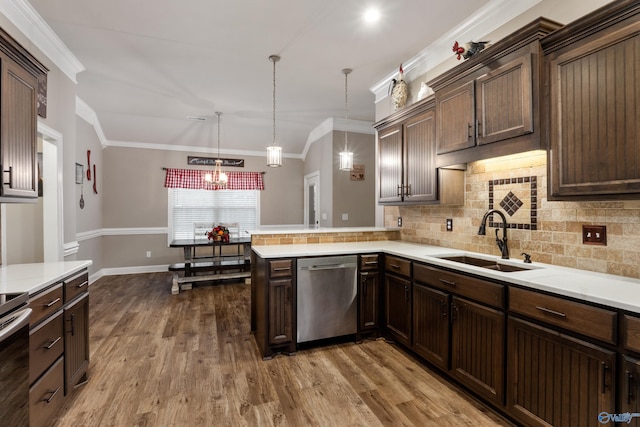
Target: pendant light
<point>346,156</point>
<point>218,177</point>
<point>274,152</point>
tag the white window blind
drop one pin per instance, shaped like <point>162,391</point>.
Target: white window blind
<point>189,207</point>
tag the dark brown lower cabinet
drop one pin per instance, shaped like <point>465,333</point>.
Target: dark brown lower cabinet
<point>554,379</point>
<point>76,342</point>
<point>280,311</point>
<point>431,325</point>
<point>368,293</point>
<point>397,292</point>
<point>477,348</point>
<point>629,389</point>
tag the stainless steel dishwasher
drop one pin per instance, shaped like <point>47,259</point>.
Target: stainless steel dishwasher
<point>327,303</point>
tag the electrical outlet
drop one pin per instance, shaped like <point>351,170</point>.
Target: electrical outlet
<point>594,235</point>
<point>399,221</point>
<point>148,254</point>
<point>449,224</point>
<point>345,217</point>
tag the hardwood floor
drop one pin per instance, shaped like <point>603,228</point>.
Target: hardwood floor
<point>189,360</point>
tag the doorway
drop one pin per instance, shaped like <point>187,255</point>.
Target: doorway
<point>312,199</point>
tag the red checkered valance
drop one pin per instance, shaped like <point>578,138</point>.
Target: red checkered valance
<point>194,179</point>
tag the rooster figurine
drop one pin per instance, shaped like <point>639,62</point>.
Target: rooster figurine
<point>399,91</point>
<point>467,50</point>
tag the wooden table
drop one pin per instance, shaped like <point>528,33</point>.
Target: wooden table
<point>216,263</point>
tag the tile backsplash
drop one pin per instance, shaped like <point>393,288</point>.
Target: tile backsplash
<point>319,237</point>
<point>550,231</point>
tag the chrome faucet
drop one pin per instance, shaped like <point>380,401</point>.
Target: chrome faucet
<point>502,243</point>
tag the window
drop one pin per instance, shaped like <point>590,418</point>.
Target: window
<point>189,207</point>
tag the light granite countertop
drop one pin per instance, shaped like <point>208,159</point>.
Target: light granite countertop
<point>312,230</point>
<point>31,278</point>
<point>607,289</point>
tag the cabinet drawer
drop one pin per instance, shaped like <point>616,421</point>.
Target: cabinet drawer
<point>584,319</point>
<point>473,288</point>
<point>46,396</point>
<point>632,333</point>
<point>45,304</point>
<point>75,285</point>
<point>281,268</point>
<point>369,262</point>
<point>46,344</point>
<point>398,266</point>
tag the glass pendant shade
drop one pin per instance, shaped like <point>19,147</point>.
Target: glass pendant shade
<point>274,152</point>
<point>346,160</point>
<point>274,156</point>
<point>218,177</point>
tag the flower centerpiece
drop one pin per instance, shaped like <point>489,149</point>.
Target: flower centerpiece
<point>219,233</point>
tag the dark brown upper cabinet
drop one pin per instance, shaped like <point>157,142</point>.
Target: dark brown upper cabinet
<point>489,105</point>
<point>19,74</point>
<point>593,69</point>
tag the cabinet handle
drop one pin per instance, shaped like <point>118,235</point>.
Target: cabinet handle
<point>73,324</point>
<point>54,342</point>
<point>53,394</point>
<point>454,310</point>
<point>281,269</point>
<point>370,262</point>
<point>406,293</point>
<point>364,273</point>
<point>447,282</point>
<point>396,266</point>
<point>10,172</point>
<point>469,133</point>
<point>400,190</point>
<point>549,311</point>
<point>408,192</point>
<point>81,284</point>
<point>478,127</point>
<point>443,304</point>
<point>51,303</point>
<point>629,387</point>
<point>604,376</point>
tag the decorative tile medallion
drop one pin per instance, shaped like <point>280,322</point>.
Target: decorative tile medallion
<point>518,197</point>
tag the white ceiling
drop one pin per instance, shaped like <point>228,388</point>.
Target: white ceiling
<point>151,63</point>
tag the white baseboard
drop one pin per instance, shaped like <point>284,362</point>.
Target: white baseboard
<point>128,270</point>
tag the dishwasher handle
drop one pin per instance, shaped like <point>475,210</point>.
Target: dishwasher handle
<point>327,267</point>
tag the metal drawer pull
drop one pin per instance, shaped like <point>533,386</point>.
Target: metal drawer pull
<point>51,303</point>
<point>370,262</point>
<point>53,394</point>
<point>447,282</point>
<point>604,376</point>
<point>364,273</point>
<point>81,284</point>
<point>548,310</point>
<point>395,266</point>
<point>282,269</point>
<point>54,342</point>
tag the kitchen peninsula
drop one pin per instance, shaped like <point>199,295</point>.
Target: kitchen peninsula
<point>508,331</point>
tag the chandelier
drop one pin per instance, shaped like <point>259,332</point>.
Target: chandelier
<point>218,177</point>
<point>346,156</point>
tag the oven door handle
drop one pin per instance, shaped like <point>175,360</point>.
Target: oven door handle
<point>14,322</point>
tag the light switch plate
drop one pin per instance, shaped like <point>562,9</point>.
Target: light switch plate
<point>449,224</point>
<point>345,217</point>
<point>594,235</point>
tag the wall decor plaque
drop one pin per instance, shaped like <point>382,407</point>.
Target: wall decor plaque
<point>211,161</point>
<point>357,173</point>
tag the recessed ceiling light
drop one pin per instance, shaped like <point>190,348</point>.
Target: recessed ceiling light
<point>371,15</point>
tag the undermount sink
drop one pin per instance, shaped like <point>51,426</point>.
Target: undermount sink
<point>485,263</point>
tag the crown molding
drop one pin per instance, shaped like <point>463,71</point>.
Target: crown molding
<point>86,113</point>
<point>485,20</point>
<point>336,124</point>
<point>31,24</point>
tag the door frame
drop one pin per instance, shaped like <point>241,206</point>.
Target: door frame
<point>310,179</point>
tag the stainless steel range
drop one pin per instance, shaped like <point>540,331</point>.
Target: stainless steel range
<point>14,361</point>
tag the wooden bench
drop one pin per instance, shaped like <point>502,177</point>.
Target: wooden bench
<point>215,268</point>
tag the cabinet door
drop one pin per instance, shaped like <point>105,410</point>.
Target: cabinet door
<point>419,158</point>
<point>18,142</point>
<point>477,348</point>
<point>431,325</point>
<point>629,389</point>
<point>504,103</point>
<point>455,113</point>
<point>280,311</point>
<point>398,308</point>
<point>390,164</point>
<point>595,131</point>
<point>369,300</point>
<point>555,379</point>
<point>76,342</point>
